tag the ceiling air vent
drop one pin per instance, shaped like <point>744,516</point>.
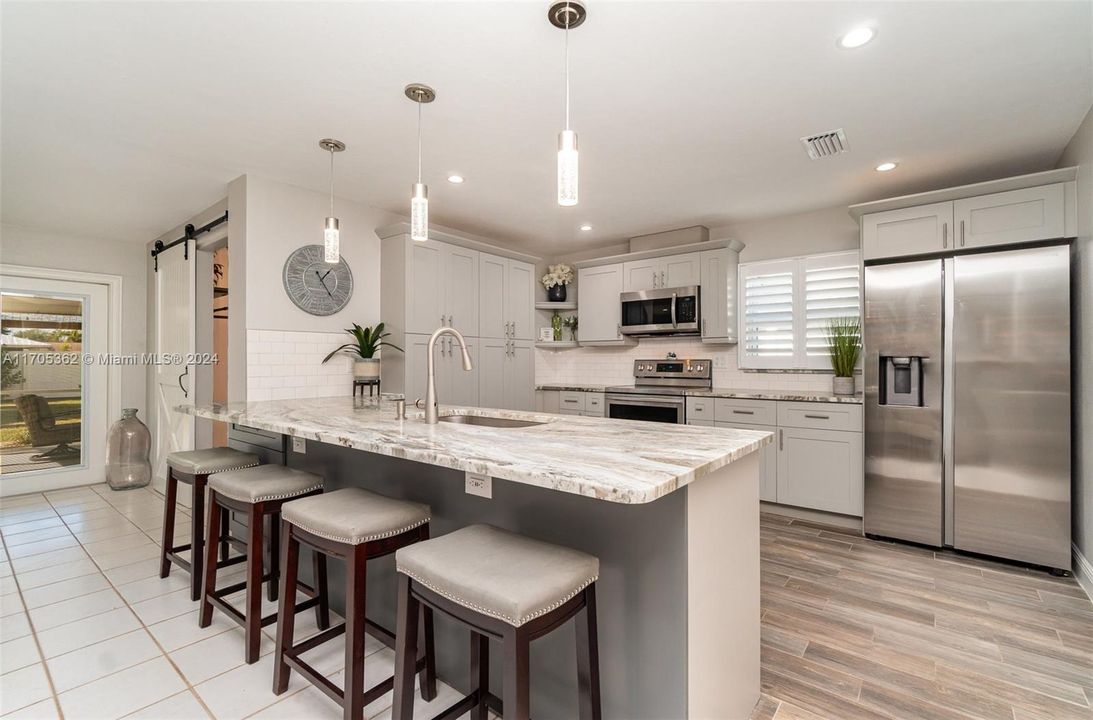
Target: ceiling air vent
<point>826,144</point>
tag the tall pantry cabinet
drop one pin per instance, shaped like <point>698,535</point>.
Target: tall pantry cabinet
<point>485,292</point>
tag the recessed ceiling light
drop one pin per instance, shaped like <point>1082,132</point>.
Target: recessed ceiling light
<point>586,228</point>
<point>886,166</point>
<point>455,179</point>
<point>857,37</point>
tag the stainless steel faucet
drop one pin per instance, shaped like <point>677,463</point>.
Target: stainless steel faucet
<point>431,414</point>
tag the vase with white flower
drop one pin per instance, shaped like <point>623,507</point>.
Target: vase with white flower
<point>557,277</point>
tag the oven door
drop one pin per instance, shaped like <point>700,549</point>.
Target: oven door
<point>660,312</point>
<point>653,408</point>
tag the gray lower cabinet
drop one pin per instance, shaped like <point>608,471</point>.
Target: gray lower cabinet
<point>815,461</point>
<point>768,461</point>
<point>820,469</point>
<point>571,402</point>
<point>454,385</point>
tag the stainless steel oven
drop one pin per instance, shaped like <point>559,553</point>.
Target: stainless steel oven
<point>664,311</point>
<point>659,390</point>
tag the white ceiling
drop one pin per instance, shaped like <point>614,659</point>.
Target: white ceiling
<point>122,120</point>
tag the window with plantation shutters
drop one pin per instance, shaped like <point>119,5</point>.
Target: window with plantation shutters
<point>787,304</point>
<point>768,290</point>
<point>832,289</point>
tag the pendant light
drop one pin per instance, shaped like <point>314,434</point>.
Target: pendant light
<point>419,196</point>
<point>332,228</point>
<point>566,15</point>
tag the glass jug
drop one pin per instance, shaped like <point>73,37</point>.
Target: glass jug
<point>127,448</point>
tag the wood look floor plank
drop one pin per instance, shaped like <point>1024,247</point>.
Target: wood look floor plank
<point>921,634</point>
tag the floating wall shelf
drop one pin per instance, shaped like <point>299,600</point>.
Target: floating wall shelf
<point>556,306</point>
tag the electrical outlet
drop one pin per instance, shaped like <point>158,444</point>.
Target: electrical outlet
<point>720,361</point>
<point>299,445</point>
<point>480,485</point>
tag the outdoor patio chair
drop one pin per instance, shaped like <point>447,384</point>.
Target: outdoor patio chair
<point>43,428</point>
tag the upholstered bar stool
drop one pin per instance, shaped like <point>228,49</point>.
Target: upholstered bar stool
<point>356,526</point>
<point>502,586</point>
<point>193,467</point>
<point>258,493</point>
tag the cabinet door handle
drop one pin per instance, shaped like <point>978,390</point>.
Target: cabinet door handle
<point>743,412</point>
<point>662,278</point>
<point>442,320</point>
<point>944,235</point>
<point>618,329</point>
<point>654,278</point>
<point>781,439</point>
<point>703,326</point>
<point>817,417</point>
<point>961,233</point>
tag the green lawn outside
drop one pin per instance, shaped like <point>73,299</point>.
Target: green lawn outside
<point>13,433</point>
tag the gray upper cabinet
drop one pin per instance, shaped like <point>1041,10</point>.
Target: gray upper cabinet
<point>442,287</point>
<point>971,217</point>
<point>662,272</point>
<point>506,305</point>
<point>1010,217</point>
<point>907,231</point>
<point>599,312</point>
<point>718,289</point>
<point>460,272</point>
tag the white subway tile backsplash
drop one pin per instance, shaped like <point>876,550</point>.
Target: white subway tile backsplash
<point>283,365</point>
<point>614,366</point>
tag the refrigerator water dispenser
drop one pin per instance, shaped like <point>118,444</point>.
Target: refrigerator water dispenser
<point>901,380</point>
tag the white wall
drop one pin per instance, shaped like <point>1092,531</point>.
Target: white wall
<point>283,343</point>
<point>1080,152</point>
<point>817,231</point>
<point>36,248</point>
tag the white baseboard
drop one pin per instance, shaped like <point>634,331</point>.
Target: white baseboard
<point>850,522</point>
<point>1083,571</point>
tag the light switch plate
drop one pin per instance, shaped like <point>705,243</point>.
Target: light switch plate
<point>299,445</point>
<point>480,485</point>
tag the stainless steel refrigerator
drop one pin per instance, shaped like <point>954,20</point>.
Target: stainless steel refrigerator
<point>967,403</point>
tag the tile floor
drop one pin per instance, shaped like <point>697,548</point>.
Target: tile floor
<point>89,630</point>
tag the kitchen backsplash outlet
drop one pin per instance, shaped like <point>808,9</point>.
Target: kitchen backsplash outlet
<point>615,366</point>
<point>282,365</point>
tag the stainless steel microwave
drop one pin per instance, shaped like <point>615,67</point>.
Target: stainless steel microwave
<point>664,311</point>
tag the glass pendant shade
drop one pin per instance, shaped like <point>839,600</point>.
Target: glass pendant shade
<point>567,167</point>
<point>331,238</point>
<point>419,213</point>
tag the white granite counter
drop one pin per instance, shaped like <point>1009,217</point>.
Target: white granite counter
<point>620,461</point>
<point>785,395</point>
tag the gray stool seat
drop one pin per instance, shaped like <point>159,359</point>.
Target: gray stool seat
<point>355,516</point>
<point>211,460</point>
<point>264,483</point>
<point>497,573</point>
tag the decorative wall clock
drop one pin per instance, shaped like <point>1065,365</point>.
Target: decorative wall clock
<point>315,286</point>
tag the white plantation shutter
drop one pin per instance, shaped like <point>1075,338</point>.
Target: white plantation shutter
<point>768,300</point>
<point>785,306</point>
<point>832,289</point>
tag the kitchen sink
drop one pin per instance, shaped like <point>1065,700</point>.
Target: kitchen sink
<point>488,421</point>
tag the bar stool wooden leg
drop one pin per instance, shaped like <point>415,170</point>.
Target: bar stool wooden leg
<point>225,531</point>
<point>274,556</point>
<point>322,610</point>
<point>253,625</point>
<point>405,651</point>
<point>209,580</point>
<point>197,535</point>
<point>427,652</point>
<point>480,674</point>
<point>588,658</point>
<point>517,653</point>
<point>286,615</point>
<point>355,579</point>
<point>168,523</point>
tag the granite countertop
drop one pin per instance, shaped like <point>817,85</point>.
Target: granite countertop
<point>744,394</point>
<point>620,461</point>
<point>571,387</point>
<point>785,395</point>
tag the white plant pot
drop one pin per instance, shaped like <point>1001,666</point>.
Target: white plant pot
<point>366,369</point>
<point>842,385</point>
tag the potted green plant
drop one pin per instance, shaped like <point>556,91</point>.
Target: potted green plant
<point>367,342</point>
<point>844,346</point>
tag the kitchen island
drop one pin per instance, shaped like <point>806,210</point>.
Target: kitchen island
<point>671,511</point>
